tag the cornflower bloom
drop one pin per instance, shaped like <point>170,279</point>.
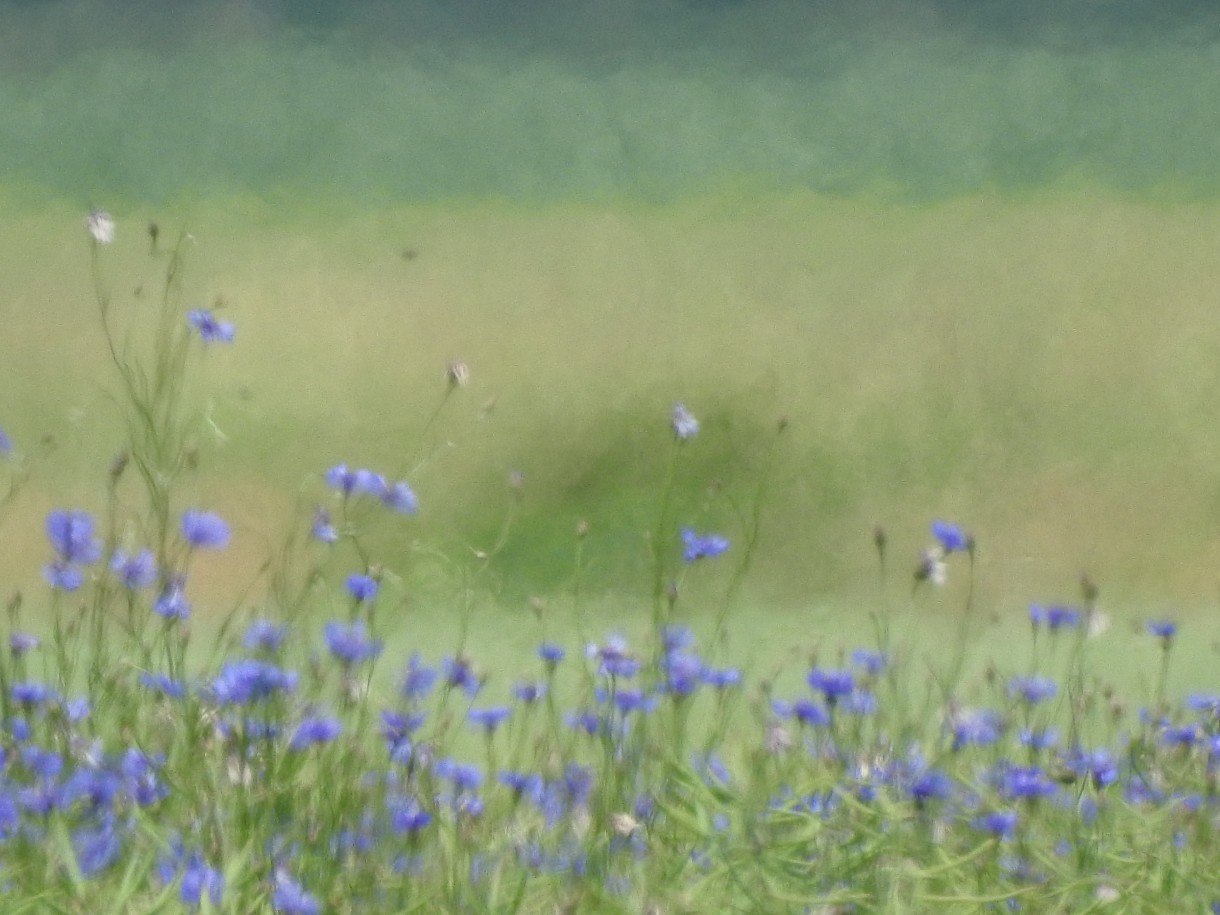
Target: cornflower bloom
<point>459,672</point>
<point>400,498</point>
<point>264,635</point>
<point>322,529</point>
<point>163,684</point>
<point>697,546</point>
<point>204,530</point>
<point>1054,618</point>
<point>172,603</point>
<point>315,729</point>
<point>351,644</point>
<point>6,444</point>
<point>979,727</point>
<point>418,681</point>
<point>950,537</point>
<point>832,684</point>
<point>1025,782</point>
<point>1002,823</point>
<point>1032,689</point>
<point>1164,630</point>
<point>362,588</point>
<point>684,423</point>
<point>551,654</point>
<point>489,719</point>
<point>209,328</point>
<point>21,643</point>
<point>134,571</point>
<point>199,878</point>
<point>72,539</point>
<point>290,898</point>
<point>247,681</point>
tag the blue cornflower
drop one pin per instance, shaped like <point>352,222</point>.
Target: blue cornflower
<point>418,680</point>
<point>1164,630</point>
<point>241,682</point>
<point>1025,782</point>
<point>63,576</point>
<point>523,784</point>
<point>551,653</point>
<point>488,719</point>
<point>832,684</point>
<point>322,529</point>
<point>950,537</point>
<point>1001,823</point>
<point>683,672</point>
<point>198,878</point>
<point>400,498</point>
<point>172,603</point>
<point>96,847</point>
<point>1032,689</point>
<point>406,815</point>
<point>529,691</point>
<point>350,643</point>
<point>634,700</point>
<point>698,546</point>
<point>209,328</point>
<point>20,643</point>
<point>684,423</point>
<point>264,635</point>
<point>871,662</point>
<point>291,898</point>
<point>1043,739</point>
<point>6,444</point>
<point>980,727</point>
<point>464,777</point>
<point>1054,618</point>
<point>1097,765</point>
<point>931,785</point>
<point>808,712</point>
<point>204,529</point>
<point>356,482</point>
<point>134,571</point>
<point>362,588</point>
<point>721,678</point>
<point>460,672</point>
<point>162,683</point>
<point>32,693</point>
<point>71,536</point>
<point>315,729</point>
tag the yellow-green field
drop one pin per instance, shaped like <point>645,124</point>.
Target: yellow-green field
<point>1040,368</point>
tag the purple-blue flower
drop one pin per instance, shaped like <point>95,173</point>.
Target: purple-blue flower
<point>697,546</point>
<point>71,536</point>
<point>63,576</point>
<point>1032,689</point>
<point>488,719</point>
<point>242,682</point>
<point>198,878</point>
<point>209,328</point>
<point>1001,824</point>
<point>172,603</point>
<point>264,635</point>
<point>322,529</point>
<point>401,498</point>
<point>551,654</point>
<point>315,729</point>
<point>832,684</point>
<point>951,538</point>
<point>291,898</point>
<point>6,444</point>
<point>1163,629</point>
<point>134,571</point>
<point>204,529</point>
<point>684,423</point>
<point>350,643</point>
<point>362,588</point>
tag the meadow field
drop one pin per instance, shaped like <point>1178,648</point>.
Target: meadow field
<point>651,458</point>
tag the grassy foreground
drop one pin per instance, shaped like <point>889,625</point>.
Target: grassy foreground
<point>292,763</point>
